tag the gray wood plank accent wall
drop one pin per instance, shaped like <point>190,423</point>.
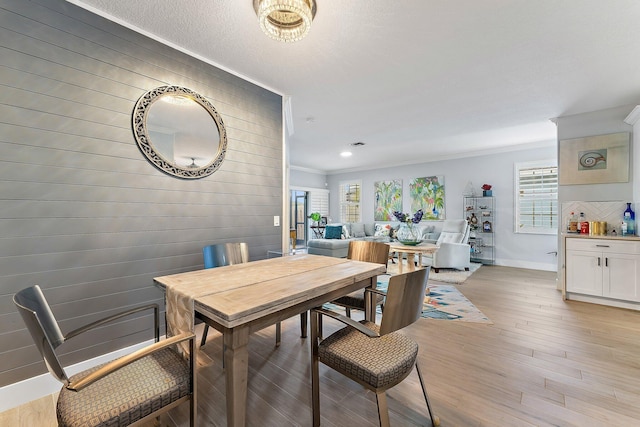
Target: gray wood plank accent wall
<point>82,212</point>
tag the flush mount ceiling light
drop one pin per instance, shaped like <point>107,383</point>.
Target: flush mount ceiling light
<point>285,20</point>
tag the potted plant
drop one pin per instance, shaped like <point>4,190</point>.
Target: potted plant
<point>315,217</point>
<point>315,226</point>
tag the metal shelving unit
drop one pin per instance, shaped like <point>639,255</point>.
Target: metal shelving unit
<point>480,212</point>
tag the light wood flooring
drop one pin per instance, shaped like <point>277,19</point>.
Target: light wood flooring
<point>543,362</point>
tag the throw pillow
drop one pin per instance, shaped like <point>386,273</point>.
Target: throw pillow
<point>369,228</point>
<point>345,232</point>
<point>333,232</point>
<point>382,230</point>
<point>393,233</point>
<point>357,229</point>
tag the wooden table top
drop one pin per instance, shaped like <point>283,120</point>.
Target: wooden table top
<point>237,294</point>
<point>422,248</point>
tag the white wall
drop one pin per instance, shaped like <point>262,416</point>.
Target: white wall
<point>301,178</point>
<point>516,250</point>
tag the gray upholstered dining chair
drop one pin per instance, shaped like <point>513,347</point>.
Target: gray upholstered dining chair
<point>349,349</point>
<point>127,391</point>
<point>222,254</point>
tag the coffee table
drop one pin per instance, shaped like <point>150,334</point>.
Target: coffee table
<point>411,251</point>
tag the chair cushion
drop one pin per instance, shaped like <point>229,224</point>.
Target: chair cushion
<point>328,244</point>
<point>333,232</point>
<point>128,394</point>
<point>356,300</point>
<point>449,237</point>
<point>380,362</point>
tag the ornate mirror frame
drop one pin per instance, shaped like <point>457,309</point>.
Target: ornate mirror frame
<point>141,133</point>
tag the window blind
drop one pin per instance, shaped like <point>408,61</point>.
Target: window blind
<point>537,200</point>
<point>319,202</point>
<point>350,201</point>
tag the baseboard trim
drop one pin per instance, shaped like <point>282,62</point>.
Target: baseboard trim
<point>34,388</point>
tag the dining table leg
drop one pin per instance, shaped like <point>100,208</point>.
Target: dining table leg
<point>236,358</point>
<point>411,259</point>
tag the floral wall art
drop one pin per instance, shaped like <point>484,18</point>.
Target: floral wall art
<point>388,198</point>
<point>427,193</point>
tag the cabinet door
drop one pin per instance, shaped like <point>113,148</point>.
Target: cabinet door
<point>584,272</point>
<point>619,276</point>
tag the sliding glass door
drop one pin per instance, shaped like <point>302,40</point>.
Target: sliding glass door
<point>299,217</point>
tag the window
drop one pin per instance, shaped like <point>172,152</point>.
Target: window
<point>350,201</point>
<point>536,197</point>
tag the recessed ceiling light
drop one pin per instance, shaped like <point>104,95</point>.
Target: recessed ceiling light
<point>346,154</point>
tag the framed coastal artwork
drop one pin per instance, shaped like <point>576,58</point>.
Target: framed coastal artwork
<point>427,193</point>
<point>387,199</point>
<point>600,159</point>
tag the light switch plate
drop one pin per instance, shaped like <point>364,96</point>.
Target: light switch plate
<point>276,221</point>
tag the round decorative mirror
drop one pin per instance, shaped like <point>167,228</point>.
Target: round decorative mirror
<point>179,132</point>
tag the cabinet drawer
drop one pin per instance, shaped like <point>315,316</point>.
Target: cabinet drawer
<point>603,245</point>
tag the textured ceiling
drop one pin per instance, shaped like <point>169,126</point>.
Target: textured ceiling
<point>416,80</point>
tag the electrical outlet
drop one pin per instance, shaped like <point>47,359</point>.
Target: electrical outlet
<point>276,221</point>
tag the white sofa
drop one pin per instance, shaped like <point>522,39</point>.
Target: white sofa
<point>454,250</point>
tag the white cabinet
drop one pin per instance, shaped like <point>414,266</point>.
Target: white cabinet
<point>604,268</point>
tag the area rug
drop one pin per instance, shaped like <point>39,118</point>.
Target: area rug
<point>446,302</point>
<point>446,275</point>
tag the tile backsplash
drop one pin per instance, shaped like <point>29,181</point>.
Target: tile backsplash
<point>611,212</point>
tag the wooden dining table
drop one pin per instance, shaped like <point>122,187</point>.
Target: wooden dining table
<point>240,299</point>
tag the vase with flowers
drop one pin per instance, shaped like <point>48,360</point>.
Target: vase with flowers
<point>408,233</point>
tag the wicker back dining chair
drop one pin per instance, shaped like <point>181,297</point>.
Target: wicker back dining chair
<point>130,390</point>
<point>222,254</point>
<point>349,349</point>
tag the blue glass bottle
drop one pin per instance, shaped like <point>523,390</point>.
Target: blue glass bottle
<point>630,218</point>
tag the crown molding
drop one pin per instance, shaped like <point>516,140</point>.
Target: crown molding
<point>477,153</point>
<point>307,170</point>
